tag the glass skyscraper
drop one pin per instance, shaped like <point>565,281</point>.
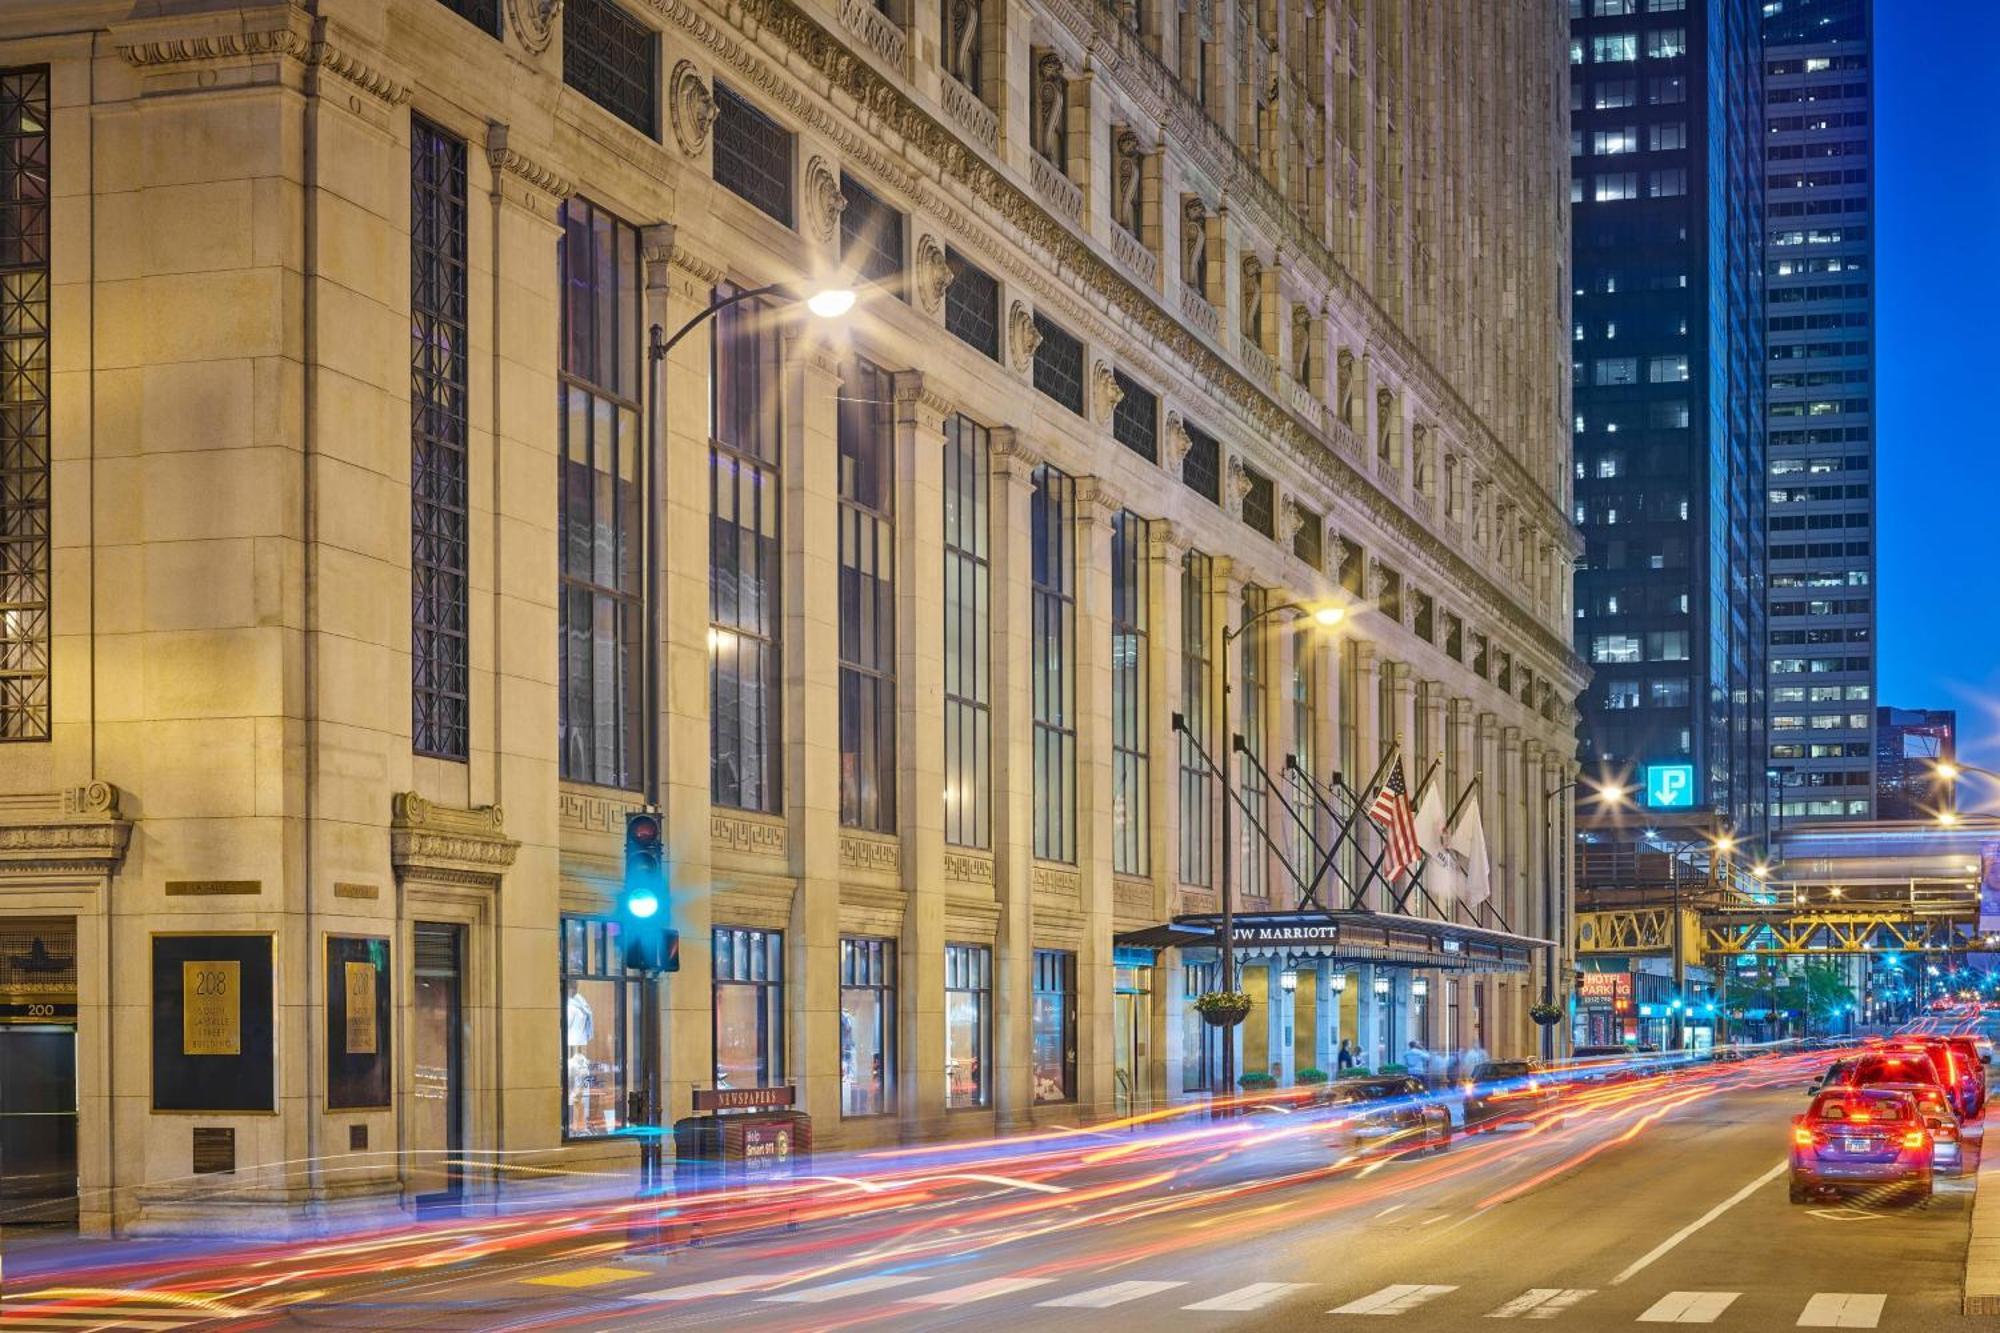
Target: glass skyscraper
<point>1820,277</point>
<point>1668,228</point>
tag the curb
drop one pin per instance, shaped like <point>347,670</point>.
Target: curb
<point>1982,1253</point>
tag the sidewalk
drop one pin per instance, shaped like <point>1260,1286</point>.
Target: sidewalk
<point>1982,1253</point>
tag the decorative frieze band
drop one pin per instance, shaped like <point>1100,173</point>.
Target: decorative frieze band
<point>503,156</point>
<point>297,36</point>
<point>879,856</point>
<point>749,837</point>
<point>968,868</point>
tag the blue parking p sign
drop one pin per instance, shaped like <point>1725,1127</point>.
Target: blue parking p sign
<point>1670,786</point>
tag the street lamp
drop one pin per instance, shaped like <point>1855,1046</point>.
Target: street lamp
<point>1554,892</point>
<point>1327,615</point>
<point>1719,842</point>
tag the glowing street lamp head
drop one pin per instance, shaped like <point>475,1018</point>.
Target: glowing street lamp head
<point>1946,818</point>
<point>1945,769</point>
<point>1329,615</point>
<point>1725,843</point>
<point>1612,794</point>
<point>1760,870</point>
<point>831,302</point>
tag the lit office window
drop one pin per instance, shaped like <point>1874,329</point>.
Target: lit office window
<point>866,441</point>
<point>1131,700</point>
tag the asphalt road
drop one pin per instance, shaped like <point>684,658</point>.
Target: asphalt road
<point>1663,1202</point>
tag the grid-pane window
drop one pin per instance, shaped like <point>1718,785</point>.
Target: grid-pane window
<point>1131,704</point>
<point>968,683</point>
<point>611,58</point>
<point>1255,673</point>
<point>968,1026</point>
<point>1260,503</point>
<point>1309,542</point>
<point>745,679</point>
<point>1052,510</point>
<point>1197,791</point>
<point>1201,470</point>
<point>24,404</point>
<point>437,442</point>
<point>1305,722</point>
<point>871,234</point>
<point>749,1007</point>
<point>972,305</point>
<point>867,1026</point>
<point>601,499</point>
<point>867,600</point>
<point>1135,422</point>
<point>599,1020</point>
<point>753,155</point>
<point>1054,1025</point>
<point>482,14</point>
<point>1059,364</point>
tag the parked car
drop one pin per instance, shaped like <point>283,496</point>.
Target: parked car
<point>1861,1136</point>
<point>1966,1048</point>
<point>1506,1091</point>
<point>1394,1114</point>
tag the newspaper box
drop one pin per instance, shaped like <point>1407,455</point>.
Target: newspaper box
<point>746,1135</point>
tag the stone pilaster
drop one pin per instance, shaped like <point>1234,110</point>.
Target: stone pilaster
<point>1095,508</point>
<point>1008,505</point>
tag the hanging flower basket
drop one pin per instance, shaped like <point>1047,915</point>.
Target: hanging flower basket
<point>1548,1015</point>
<point>1223,1008</point>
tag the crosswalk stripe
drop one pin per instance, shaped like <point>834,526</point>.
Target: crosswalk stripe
<point>1253,1297</point>
<point>833,1291</point>
<point>1541,1303</point>
<point>1099,1298</point>
<point>722,1286</point>
<point>1689,1307</point>
<point>1394,1299</point>
<point>588,1277</point>
<point>980,1291</point>
<point>1839,1309</point>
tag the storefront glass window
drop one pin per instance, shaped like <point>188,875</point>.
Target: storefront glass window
<point>599,1014</point>
<point>968,1016</point>
<point>749,997</point>
<point>1201,1044</point>
<point>867,1026</point>
<point>1055,1025</point>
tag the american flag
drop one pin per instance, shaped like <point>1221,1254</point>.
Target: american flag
<point>1391,809</point>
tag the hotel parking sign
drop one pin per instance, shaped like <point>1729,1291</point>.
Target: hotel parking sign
<point>1670,786</point>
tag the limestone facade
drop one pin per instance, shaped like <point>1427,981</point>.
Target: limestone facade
<point>1328,236</point>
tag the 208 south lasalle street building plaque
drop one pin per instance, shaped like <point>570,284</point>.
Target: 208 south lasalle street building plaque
<point>212,1007</point>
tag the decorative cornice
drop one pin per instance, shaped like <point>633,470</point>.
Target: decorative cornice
<point>76,830</point>
<point>300,37</point>
<point>438,843</point>
<point>503,157</point>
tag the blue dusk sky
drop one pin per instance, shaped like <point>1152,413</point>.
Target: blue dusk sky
<point>1937,154</point>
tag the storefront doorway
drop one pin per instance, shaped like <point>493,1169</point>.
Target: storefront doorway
<point>437,1084</point>
<point>38,1126</point>
<point>1132,1038</point>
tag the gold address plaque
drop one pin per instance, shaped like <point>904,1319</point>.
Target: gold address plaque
<point>212,1007</point>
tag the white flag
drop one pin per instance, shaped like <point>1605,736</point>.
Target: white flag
<point>1430,820</point>
<point>1466,840</point>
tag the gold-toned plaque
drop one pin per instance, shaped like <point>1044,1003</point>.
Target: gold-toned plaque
<point>212,1008</point>
<point>360,1008</point>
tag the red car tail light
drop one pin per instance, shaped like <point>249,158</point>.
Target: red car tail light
<point>1802,1136</point>
<point>1916,1138</point>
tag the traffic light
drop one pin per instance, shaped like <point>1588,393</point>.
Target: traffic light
<point>642,905</point>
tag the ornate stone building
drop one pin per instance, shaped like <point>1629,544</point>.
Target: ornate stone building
<point>366,555</point>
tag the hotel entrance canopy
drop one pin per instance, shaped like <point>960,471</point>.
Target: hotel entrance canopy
<point>1348,936</point>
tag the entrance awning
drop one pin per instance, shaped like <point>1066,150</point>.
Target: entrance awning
<point>1350,936</point>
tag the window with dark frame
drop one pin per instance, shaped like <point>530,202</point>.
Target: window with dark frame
<point>1052,664</point>
<point>1309,542</point>
<point>1255,673</point>
<point>1260,503</point>
<point>438,596</point>
<point>601,499</point>
<point>1059,364</point>
<point>968,677</point>
<point>1305,729</point>
<point>1197,792</point>
<point>968,1026</point>
<point>1053,1025</point>
<point>871,236</point>
<point>24,404</point>
<point>867,449</point>
<point>1201,469</point>
<point>748,1006</point>
<point>746,680</point>
<point>1131,698</point>
<point>599,1017</point>
<point>867,1026</point>
<point>1135,422</point>
<point>481,14</point>
<point>1353,568</point>
<point>613,59</point>
<point>972,305</point>
<point>753,155</point>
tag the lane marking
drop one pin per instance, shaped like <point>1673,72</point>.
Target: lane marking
<point>1836,1309</point>
<point>1689,1307</point>
<point>722,1286</point>
<point>1253,1297</point>
<point>980,1291</point>
<point>1541,1303</point>
<point>1396,1299</point>
<point>1702,1221</point>
<point>587,1277</point>
<point>834,1291</point>
<point>1099,1298</point>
